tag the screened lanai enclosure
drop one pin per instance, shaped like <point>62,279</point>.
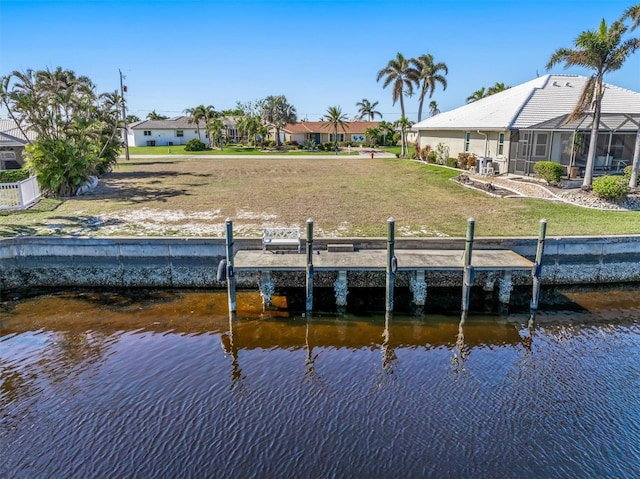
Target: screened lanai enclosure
<point>568,144</point>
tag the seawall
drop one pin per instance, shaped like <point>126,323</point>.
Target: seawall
<point>111,262</point>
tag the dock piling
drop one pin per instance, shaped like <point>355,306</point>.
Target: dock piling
<point>392,263</point>
<point>309,266</point>
<point>537,266</point>
<point>231,279</point>
<point>468,273</point>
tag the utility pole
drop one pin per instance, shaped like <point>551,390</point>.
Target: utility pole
<point>124,118</point>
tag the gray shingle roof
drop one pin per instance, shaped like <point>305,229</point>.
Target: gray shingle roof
<point>532,103</point>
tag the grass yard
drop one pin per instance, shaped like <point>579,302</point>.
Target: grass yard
<point>345,197</point>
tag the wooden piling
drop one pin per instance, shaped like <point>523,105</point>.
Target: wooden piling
<point>231,279</point>
<point>309,265</point>
<point>537,266</point>
<point>467,278</point>
<point>391,263</point>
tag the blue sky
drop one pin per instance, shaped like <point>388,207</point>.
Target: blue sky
<point>179,54</point>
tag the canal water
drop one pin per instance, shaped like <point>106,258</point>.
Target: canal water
<point>166,384</point>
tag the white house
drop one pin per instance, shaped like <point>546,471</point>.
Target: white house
<point>12,143</point>
<point>173,131</point>
<point>527,123</point>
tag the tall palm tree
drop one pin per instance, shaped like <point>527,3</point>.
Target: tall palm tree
<point>601,50</point>
<point>477,95</point>
<point>433,108</point>
<point>196,114</point>
<point>429,74</point>
<point>334,118</point>
<point>400,75</point>
<point>215,131</point>
<point>277,112</point>
<point>633,14</point>
<point>367,110</point>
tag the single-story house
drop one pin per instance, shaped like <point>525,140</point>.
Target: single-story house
<point>527,123</point>
<point>322,132</point>
<point>12,143</point>
<point>173,131</point>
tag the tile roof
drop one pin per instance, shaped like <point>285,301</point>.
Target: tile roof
<point>323,127</point>
<point>532,103</point>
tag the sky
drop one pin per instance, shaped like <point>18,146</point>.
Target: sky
<point>179,54</point>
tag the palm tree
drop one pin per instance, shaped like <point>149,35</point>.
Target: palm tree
<point>429,74</point>
<point>601,50</point>
<point>156,116</point>
<point>132,119</point>
<point>277,112</point>
<point>367,110</point>
<point>196,114</point>
<point>403,124</point>
<point>633,14</point>
<point>433,108</point>
<point>400,75</point>
<point>334,118</point>
<point>215,131</point>
<point>497,88</point>
<point>477,95</point>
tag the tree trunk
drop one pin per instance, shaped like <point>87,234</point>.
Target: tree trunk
<point>420,103</point>
<point>636,162</point>
<point>593,141</point>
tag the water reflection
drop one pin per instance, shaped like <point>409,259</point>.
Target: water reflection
<point>171,385</point>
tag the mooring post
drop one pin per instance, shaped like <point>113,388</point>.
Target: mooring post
<point>231,279</point>
<point>309,269</point>
<point>467,278</point>
<point>537,266</point>
<point>391,263</point>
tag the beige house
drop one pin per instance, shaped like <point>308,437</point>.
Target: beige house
<point>322,132</point>
<point>173,131</point>
<point>527,123</point>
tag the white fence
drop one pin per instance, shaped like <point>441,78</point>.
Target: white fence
<point>18,196</point>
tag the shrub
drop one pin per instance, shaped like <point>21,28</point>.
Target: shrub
<point>463,160</point>
<point>14,176</point>
<point>195,145</point>
<point>471,161</point>
<point>432,157</point>
<point>424,152</point>
<point>452,162</point>
<point>611,187</point>
<point>548,171</point>
<point>320,146</point>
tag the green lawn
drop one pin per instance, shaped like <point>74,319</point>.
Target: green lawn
<point>345,197</point>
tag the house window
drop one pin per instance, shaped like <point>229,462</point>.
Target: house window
<point>501,144</point>
<point>467,141</point>
<point>179,133</point>
<point>340,137</point>
<point>147,132</point>
<point>540,145</point>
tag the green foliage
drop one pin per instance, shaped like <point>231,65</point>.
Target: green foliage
<point>432,156</point>
<point>13,176</point>
<point>77,129</point>
<point>195,145</point>
<point>611,187</point>
<point>60,165</point>
<point>548,171</point>
<point>626,174</point>
<point>452,162</point>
